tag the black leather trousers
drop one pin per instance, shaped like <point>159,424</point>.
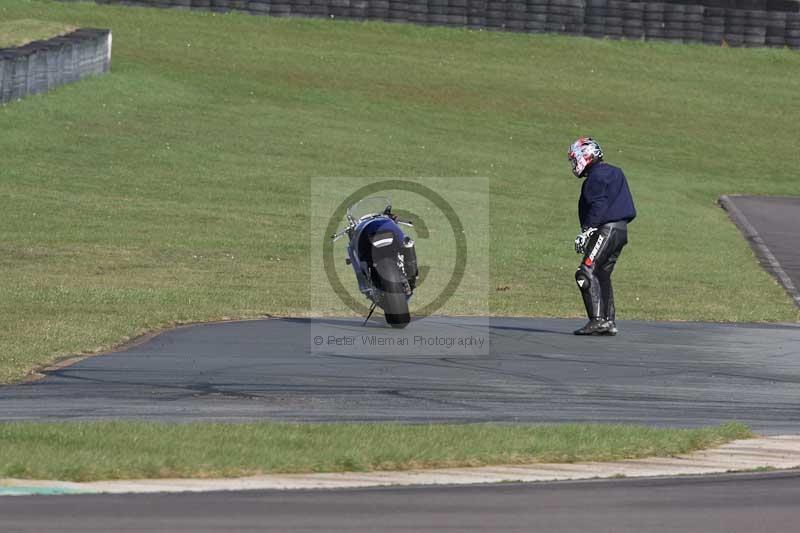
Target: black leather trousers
<point>594,274</point>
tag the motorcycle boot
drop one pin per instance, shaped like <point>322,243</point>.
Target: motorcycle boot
<point>595,326</point>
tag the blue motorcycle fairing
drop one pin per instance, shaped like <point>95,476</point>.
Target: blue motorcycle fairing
<point>363,251</point>
<point>376,230</point>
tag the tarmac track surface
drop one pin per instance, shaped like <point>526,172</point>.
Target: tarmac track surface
<point>742,503</point>
<point>533,370</point>
<point>768,223</point>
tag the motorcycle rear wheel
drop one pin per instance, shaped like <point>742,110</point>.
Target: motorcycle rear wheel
<point>395,309</point>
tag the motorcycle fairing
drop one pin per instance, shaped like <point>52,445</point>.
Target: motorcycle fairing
<point>378,240</point>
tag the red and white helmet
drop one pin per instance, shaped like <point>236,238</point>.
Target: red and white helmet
<point>582,153</point>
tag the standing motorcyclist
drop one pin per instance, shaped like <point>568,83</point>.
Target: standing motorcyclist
<point>605,208</point>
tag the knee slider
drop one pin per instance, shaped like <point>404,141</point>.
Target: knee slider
<point>583,279</point>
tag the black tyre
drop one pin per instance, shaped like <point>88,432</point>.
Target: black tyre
<point>595,20</point>
<point>258,8</point>
<point>754,40</point>
<point>495,22</point>
<point>594,30</point>
<point>736,22</point>
<point>734,39</point>
<point>690,36</point>
<point>280,10</point>
<point>653,12</point>
<point>456,20</point>
<point>563,10</point>
<point>775,41</point>
<point>674,35</point>
<point>633,33</point>
<point>535,26</point>
<point>517,7</point>
<point>557,19</point>
<point>738,30</point>
<point>776,30</point>
<point>672,17</point>
<point>387,275</point>
<point>395,309</point>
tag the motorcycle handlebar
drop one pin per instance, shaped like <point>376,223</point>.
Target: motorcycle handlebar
<point>399,220</point>
<point>337,236</point>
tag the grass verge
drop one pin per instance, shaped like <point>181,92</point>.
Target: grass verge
<point>23,31</point>
<point>129,450</point>
<point>176,188</point>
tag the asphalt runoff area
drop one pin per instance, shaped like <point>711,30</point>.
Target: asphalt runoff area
<point>770,225</point>
<point>528,370</point>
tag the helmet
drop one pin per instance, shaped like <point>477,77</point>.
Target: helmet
<point>582,153</point>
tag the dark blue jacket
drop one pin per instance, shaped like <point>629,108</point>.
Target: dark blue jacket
<point>605,197</point>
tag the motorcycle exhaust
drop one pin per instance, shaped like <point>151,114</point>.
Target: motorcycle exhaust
<point>410,259</point>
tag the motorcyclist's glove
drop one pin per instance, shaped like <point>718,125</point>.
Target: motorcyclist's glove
<point>583,239</point>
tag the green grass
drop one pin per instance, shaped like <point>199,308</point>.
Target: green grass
<point>23,31</point>
<point>177,188</point>
<point>115,450</point>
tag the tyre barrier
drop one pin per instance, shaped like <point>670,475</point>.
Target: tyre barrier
<point>40,66</point>
<point>774,23</point>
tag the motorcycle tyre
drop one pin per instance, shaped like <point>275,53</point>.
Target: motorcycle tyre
<point>395,309</point>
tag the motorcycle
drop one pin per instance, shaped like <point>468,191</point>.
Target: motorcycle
<point>382,256</point>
